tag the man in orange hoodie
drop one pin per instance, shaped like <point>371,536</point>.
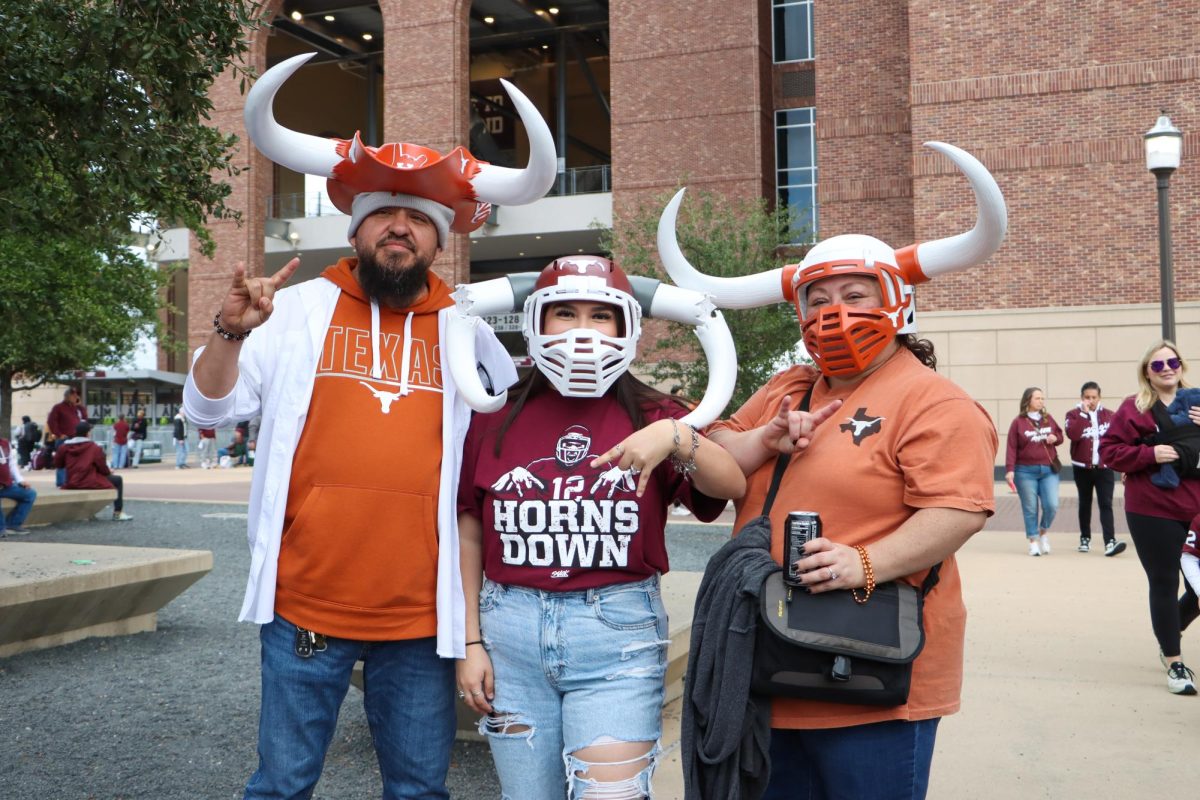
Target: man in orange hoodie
<point>362,565</point>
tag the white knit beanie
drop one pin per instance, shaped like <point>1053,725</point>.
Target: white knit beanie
<point>368,202</point>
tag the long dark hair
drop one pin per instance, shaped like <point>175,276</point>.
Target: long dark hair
<point>921,348</point>
<point>631,394</point>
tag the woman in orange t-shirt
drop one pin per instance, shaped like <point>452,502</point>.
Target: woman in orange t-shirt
<point>895,459</point>
<point>904,472</point>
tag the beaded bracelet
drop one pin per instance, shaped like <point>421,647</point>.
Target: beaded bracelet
<point>228,336</point>
<point>685,468</point>
<point>869,572</point>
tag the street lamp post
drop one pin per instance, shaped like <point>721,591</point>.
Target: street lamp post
<point>1164,147</point>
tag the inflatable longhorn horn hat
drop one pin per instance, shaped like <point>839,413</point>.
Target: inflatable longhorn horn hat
<point>583,363</point>
<point>463,186</point>
<point>860,338</point>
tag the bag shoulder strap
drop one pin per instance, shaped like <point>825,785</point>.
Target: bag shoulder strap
<point>1161,416</point>
<point>931,580</point>
<point>781,463</point>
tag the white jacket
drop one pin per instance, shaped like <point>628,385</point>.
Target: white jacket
<point>277,369</point>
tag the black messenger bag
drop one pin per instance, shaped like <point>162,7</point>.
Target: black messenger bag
<point>830,648</point>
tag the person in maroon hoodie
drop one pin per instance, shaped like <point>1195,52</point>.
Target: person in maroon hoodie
<point>61,422</point>
<point>1158,518</point>
<point>1032,437</point>
<point>84,462</point>
<point>1086,423</point>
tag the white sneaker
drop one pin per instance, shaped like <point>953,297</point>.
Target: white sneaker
<point>1033,548</point>
<point>679,511</point>
<point>121,516</point>
<point>1045,542</point>
<point>1180,679</point>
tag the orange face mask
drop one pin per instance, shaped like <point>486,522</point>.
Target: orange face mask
<point>843,340</point>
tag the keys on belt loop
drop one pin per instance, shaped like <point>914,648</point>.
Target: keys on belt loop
<point>308,643</point>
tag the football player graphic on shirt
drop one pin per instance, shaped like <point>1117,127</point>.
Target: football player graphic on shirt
<point>560,511</point>
<point>573,448</point>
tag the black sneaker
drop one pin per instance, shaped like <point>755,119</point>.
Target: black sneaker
<point>1085,545</point>
<point>1180,679</point>
<point>1114,548</point>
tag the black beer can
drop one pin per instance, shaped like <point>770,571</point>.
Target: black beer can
<point>801,527</point>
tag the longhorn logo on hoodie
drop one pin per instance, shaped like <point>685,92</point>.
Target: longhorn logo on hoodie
<point>347,354</point>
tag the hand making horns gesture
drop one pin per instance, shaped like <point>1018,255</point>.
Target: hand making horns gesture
<point>791,431</point>
<point>249,301</point>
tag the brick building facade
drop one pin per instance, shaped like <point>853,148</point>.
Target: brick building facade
<point>1051,96</point>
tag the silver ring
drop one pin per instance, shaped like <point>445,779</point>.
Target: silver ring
<point>476,693</point>
<point>832,574</point>
<point>635,470</point>
<point>461,695</point>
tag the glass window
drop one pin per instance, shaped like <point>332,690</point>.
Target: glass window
<point>792,22</point>
<point>796,170</point>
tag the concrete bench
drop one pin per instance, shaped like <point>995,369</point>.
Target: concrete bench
<point>54,594</point>
<point>65,505</point>
<point>679,596</point>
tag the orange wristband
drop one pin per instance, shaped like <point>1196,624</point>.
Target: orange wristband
<point>869,572</point>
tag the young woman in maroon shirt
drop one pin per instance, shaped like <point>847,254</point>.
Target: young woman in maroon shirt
<point>1158,518</point>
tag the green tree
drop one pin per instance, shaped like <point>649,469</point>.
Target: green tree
<point>64,304</point>
<point>722,237</point>
<point>104,106</point>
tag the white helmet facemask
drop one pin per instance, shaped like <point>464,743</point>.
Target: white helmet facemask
<point>582,362</point>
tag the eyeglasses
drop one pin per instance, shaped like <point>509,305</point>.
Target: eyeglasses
<point>1170,363</point>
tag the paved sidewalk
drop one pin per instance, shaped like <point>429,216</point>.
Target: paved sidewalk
<point>1063,694</point>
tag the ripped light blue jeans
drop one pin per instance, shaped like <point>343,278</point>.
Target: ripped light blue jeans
<point>573,669</point>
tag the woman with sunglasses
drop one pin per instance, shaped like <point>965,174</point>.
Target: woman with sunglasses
<point>1158,517</point>
<point>1028,460</point>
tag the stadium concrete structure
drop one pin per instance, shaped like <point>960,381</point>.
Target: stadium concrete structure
<point>821,105</point>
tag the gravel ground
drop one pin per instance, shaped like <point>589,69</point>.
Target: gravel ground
<point>174,713</point>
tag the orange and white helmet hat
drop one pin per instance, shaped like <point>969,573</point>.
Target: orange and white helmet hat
<point>843,340</point>
<point>456,189</point>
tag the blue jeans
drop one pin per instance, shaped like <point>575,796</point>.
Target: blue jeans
<point>408,696</point>
<point>135,447</point>
<point>120,455</point>
<point>881,761</point>
<point>1036,482</point>
<point>180,452</point>
<point>573,669</point>
<point>24,498</point>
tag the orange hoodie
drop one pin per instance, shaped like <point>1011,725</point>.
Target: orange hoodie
<point>359,552</point>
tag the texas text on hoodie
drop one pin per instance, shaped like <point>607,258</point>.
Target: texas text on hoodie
<point>359,553</point>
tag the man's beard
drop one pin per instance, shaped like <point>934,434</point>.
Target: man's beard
<point>389,283</point>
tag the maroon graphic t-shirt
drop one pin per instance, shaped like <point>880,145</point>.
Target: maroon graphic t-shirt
<point>551,521</point>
